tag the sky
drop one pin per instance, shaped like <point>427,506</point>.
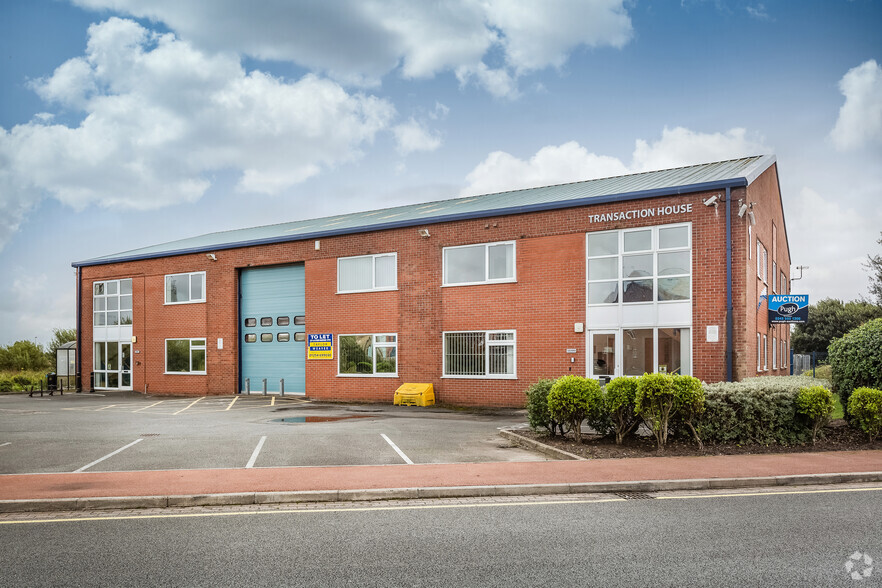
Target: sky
<point>126,123</point>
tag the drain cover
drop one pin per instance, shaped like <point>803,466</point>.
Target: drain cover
<point>149,435</point>
<point>635,495</point>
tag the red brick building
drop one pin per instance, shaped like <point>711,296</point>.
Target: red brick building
<point>480,296</point>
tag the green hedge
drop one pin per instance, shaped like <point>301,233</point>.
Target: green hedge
<point>865,408</point>
<point>764,410</point>
<point>856,358</point>
<point>756,410</point>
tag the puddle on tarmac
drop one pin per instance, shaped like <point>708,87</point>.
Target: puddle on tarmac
<point>321,419</point>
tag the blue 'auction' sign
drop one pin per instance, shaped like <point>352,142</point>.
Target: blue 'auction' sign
<point>788,308</point>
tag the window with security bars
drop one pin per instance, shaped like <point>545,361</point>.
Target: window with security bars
<point>480,354</point>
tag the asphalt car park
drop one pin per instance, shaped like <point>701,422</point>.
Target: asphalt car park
<point>129,431</point>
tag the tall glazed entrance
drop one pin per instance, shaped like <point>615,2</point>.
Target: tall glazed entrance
<point>272,329</point>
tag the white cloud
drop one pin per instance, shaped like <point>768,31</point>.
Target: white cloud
<point>571,162</point>
<point>758,12</point>
<point>32,308</point>
<point>680,146</point>
<point>535,39</point>
<point>860,118</point>
<point>162,116</point>
<point>835,263</point>
<point>413,136</point>
<point>360,41</point>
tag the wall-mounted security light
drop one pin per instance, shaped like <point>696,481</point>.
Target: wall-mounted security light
<point>424,233</point>
<point>752,218</point>
<point>742,209</point>
<point>211,256</point>
<point>712,201</point>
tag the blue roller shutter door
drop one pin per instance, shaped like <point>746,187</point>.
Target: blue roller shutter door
<point>272,301</point>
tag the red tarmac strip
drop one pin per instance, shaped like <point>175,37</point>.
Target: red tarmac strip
<point>199,482</point>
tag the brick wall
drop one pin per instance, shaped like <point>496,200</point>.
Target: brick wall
<point>542,306</point>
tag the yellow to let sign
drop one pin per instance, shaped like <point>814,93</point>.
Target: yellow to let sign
<point>320,346</point>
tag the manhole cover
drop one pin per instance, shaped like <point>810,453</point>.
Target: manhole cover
<point>635,495</point>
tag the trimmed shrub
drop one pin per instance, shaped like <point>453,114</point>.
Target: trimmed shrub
<point>756,410</point>
<point>537,408</point>
<point>572,399</point>
<point>865,408</point>
<point>656,403</point>
<point>6,384</point>
<point>856,358</point>
<point>689,402</point>
<point>816,404</point>
<point>619,398</point>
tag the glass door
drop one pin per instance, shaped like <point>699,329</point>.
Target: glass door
<point>604,355</point>
<point>125,366</point>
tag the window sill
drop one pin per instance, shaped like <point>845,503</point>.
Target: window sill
<point>367,375</point>
<point>185,373</point>
<point>395,289</point>
<point>487,283</point>
<point>188,302</point>
<point>506,377</point>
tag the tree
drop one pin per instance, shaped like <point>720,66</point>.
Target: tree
<point>59,338</point>
<point>874,266</point>
<point>830,319</point>
<point>23,355</point>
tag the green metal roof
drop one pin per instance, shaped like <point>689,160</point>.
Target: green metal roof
<point>681,180</point>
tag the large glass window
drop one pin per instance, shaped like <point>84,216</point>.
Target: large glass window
<point>185,356</point>
<point>367,272</point>
<point>479,264</point>
<point>185,288</point>
<point>112,303</point>
<point>368,355</point>
<point>490,354</point>
<point>643,265</point>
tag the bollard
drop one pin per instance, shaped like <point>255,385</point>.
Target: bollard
<point>282,386</point>
<point>264,386</point>
<point>248,386</point>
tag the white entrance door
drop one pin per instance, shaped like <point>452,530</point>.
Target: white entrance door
<point>604,354</point>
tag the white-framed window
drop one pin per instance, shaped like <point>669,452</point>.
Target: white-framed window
<point>774,277</point>
<point>185,288</point>
<point>765,266</point>
<point>480,354</point>
<point>640,265</point>
<point>759,259</point>
<point>367,273</point>
<point>368,355</point>
<point>774,353</point>
<point>185,356</point>
<point>485,263</point>
<point>759,353</point>
<point>112,303</point>
<point>783,284</point>
<point>765,352</point>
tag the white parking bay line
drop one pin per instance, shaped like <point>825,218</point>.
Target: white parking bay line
<point>5,444</point>
<point>395,447</point>
<point>97,461</point>
<point>256,452</point>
